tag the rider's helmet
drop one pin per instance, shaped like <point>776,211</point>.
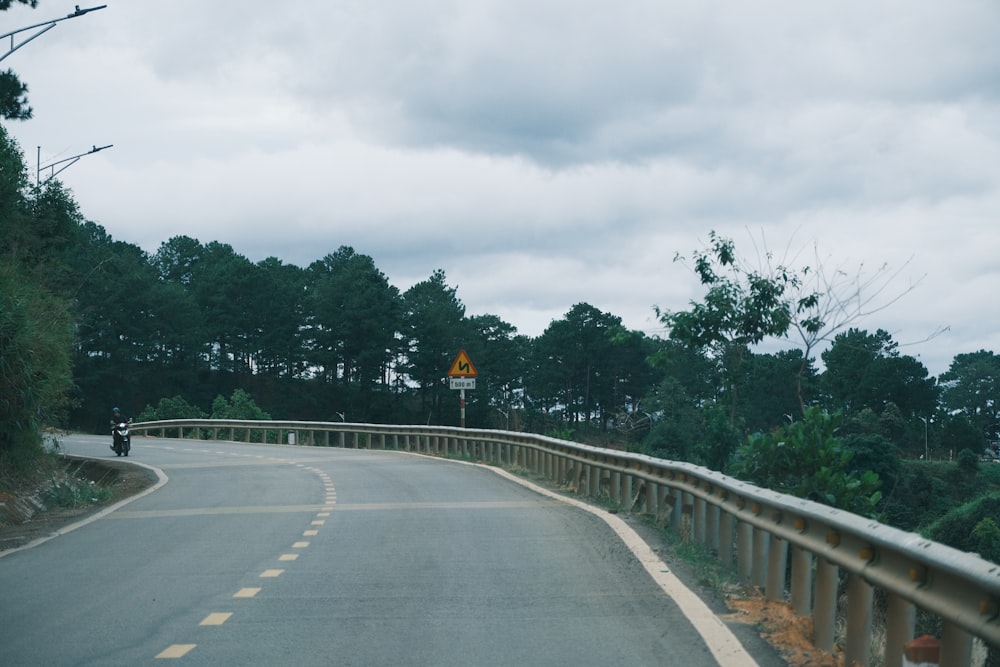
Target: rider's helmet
<point>115,411</point>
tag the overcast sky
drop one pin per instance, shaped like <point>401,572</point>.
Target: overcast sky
<point>550,152</point>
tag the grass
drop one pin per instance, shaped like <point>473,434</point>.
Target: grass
<point>43,473</point>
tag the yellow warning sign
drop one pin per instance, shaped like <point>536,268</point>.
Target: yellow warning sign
<point>462,367</point>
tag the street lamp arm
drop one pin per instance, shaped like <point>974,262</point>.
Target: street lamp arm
<point>66,162</point>
<point>81,12</point>
<point>44,26</point>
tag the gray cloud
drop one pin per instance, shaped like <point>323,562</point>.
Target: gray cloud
<point>547,153</point>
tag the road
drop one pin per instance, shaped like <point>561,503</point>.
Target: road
<point>274,555</point>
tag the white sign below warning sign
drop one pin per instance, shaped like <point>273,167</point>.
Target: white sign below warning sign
<point>463,383</point>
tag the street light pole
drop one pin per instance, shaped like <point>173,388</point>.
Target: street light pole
<point>44,27</point>
<point>67,163</point>
<point>927,452</point>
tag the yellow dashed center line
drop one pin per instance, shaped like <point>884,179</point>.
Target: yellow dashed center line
<point>176,651</point>
<point>218,618</point>
<point>246,592</point>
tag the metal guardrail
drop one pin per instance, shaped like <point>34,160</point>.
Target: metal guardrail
<point>757,530</point>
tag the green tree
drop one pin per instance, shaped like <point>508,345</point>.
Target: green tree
<point>678,424</point>
<point>433,325</point>
<point>356,317</point>
<point>36,324</point>
<point>13,93</point>
<point>240,406</point>
<point>806,459</point>
<point>224,289</point>
<point>13,97</point>
<point>769,391</point>
<point>627,377</point>
<point>570,364</point>
<point>120,348</point>
<point>987,539</point>
<point>682,403</point>
<point>971,386</point>
<point>183,335</point>
<point>35,377</point>
<point>960,434</point>
<point>866,371</point>
<point>745,305</point>
<point>15,227</point>
<point>171,408</point>
<point>498,353</point>
<point>968,528</point>
<point>741,308</point>
<point>280,341</point>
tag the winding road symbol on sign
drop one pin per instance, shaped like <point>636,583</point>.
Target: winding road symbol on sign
<point>462,367</point>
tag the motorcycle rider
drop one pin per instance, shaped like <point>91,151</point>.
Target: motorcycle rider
<point>116,418</point>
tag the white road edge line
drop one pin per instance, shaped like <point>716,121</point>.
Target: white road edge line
<point>161,480</point>
<point>721,641</point>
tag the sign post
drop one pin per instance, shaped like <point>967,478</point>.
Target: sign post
<point>462,376</point>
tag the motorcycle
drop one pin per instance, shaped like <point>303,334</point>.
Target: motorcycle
<point>122,441</point>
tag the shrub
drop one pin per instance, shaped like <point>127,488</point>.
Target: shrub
<point>807,460</point>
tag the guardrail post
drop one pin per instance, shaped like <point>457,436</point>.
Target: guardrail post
<point>677,510</point>
<point>594,481</point>
<point>776,563</point>
<point>726,522</point>
<point>761,539</point>
<point>712,527</point>
<point>901,618</point>
<point>698,521</point>
<point>744,551</point>
<point>825,609</point>
<point>802,562</point>
<point>652,498</point>
<point>956,645</point>
<point>616,487</point>
<point>687,517</point>
<point>859,622</point>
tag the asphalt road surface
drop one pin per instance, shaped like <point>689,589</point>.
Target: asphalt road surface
<point>278,555</point>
